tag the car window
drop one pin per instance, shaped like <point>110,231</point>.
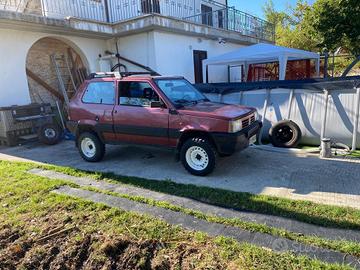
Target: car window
<point>179,91</point>
<point>100,93</point>
<point>136,94</point>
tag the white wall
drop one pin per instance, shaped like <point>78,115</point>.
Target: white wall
<point>174,55</point>
<point>14,46</point>
<point>139,48</point>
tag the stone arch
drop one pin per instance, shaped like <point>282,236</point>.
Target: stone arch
<point>41,73</point>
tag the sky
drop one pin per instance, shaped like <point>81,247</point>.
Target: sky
<point>254,7</point>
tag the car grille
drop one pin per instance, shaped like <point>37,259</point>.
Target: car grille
<point>248,121</point>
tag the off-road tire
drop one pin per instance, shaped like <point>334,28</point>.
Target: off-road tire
<point>285,134</point>
<point>97,144</point>
<point>49,134</point>
<point>210,152</point>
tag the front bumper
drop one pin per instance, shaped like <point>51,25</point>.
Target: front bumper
<point>228,143</point>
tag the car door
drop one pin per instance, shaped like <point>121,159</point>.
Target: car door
<point>135,120</point>
<point>97,109</point>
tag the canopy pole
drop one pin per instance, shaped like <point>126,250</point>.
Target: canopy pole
<point>356,123</point>
<point>323,126</point>
<point>317,67</point>
<point>228,68</point>
<point>282,67</point>
<point>266,102</point>
<point>207,73</point>
<point>246,71</point>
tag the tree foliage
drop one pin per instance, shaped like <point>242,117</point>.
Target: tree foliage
<point>336,23</point>
<point>327,24</point>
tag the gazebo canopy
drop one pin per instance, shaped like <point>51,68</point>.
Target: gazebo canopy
<point>263,53</point>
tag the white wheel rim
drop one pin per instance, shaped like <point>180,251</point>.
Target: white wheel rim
<point>50,133</point>
<point>88,147</point>
<point>197,158</point>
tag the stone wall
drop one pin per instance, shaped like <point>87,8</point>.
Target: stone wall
<point>39,62</point>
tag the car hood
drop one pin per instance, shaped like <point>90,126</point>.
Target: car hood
<point>216,110</point>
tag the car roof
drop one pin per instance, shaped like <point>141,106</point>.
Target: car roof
<point>135,78</point>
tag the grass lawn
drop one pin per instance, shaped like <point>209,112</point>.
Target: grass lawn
<point>305,211</point>
<point>355,154</point>
<point>39,229</point>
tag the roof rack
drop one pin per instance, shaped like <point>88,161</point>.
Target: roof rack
<point>119,75</point>
<point>127,74</point>
<point>104,75</point>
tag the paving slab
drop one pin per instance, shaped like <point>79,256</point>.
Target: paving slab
<point>269,220</point>
<point>287,175</point>
<point>213,229</point>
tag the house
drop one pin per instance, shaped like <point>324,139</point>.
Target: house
<point>82,36</point>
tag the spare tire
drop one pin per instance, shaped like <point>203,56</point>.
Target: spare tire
<point>285,133</point>
<point>49,134</point>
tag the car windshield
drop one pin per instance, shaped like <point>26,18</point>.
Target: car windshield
<point>180,91</point>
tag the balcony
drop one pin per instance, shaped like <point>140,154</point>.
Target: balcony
<point>204,12</point>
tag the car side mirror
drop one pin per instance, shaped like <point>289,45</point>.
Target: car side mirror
<point>156,104</point>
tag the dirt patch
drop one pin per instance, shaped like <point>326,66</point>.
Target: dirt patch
<point>74,250</point>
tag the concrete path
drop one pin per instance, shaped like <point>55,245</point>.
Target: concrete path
<point>269,220</point>
<point>334,182</point>
<point>213,229</point>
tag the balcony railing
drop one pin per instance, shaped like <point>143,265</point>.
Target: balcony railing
<point>219,16</point>
<point>238,21</point>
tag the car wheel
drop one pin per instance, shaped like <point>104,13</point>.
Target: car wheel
<point>285,134</point>
<point>49,134</point>
<point>198,156</point>
<point>90,147</point>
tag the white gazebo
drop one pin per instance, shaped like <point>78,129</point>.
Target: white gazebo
<point>259,54</point>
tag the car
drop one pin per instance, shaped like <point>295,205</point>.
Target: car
<point>157,110</point>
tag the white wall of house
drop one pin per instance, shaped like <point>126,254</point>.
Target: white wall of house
<point>14,47</point>
<point>172,53</point>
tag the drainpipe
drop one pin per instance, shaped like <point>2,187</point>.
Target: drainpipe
<point>356,123</point>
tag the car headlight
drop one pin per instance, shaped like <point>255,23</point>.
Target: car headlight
<point>257,116</point>
<point>235,125</point>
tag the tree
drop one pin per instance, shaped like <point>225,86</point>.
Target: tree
<point>327,24</point>
<point>336,23</point>
<point>291,28</point>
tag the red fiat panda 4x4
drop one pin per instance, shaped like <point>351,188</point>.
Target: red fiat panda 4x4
<point>162,111</point>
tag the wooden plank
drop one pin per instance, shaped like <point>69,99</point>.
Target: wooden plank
<point>44,84</point>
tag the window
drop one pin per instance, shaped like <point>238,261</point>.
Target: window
<point>206,15</point>
<point>137,94</point>
<point>100,93</point>
<point>221,18</point>
<point>180,91</point>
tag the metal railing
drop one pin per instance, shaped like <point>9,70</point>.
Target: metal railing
<point>238,21</point>
<point>220,16</point>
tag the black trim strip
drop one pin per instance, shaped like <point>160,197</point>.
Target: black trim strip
<point>139,130</point>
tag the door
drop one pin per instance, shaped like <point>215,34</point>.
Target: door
<point>150,6</point>
<point>199,56</point>
<point>207,15</point>
<point>135,121</point>
<point>99,98</point>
